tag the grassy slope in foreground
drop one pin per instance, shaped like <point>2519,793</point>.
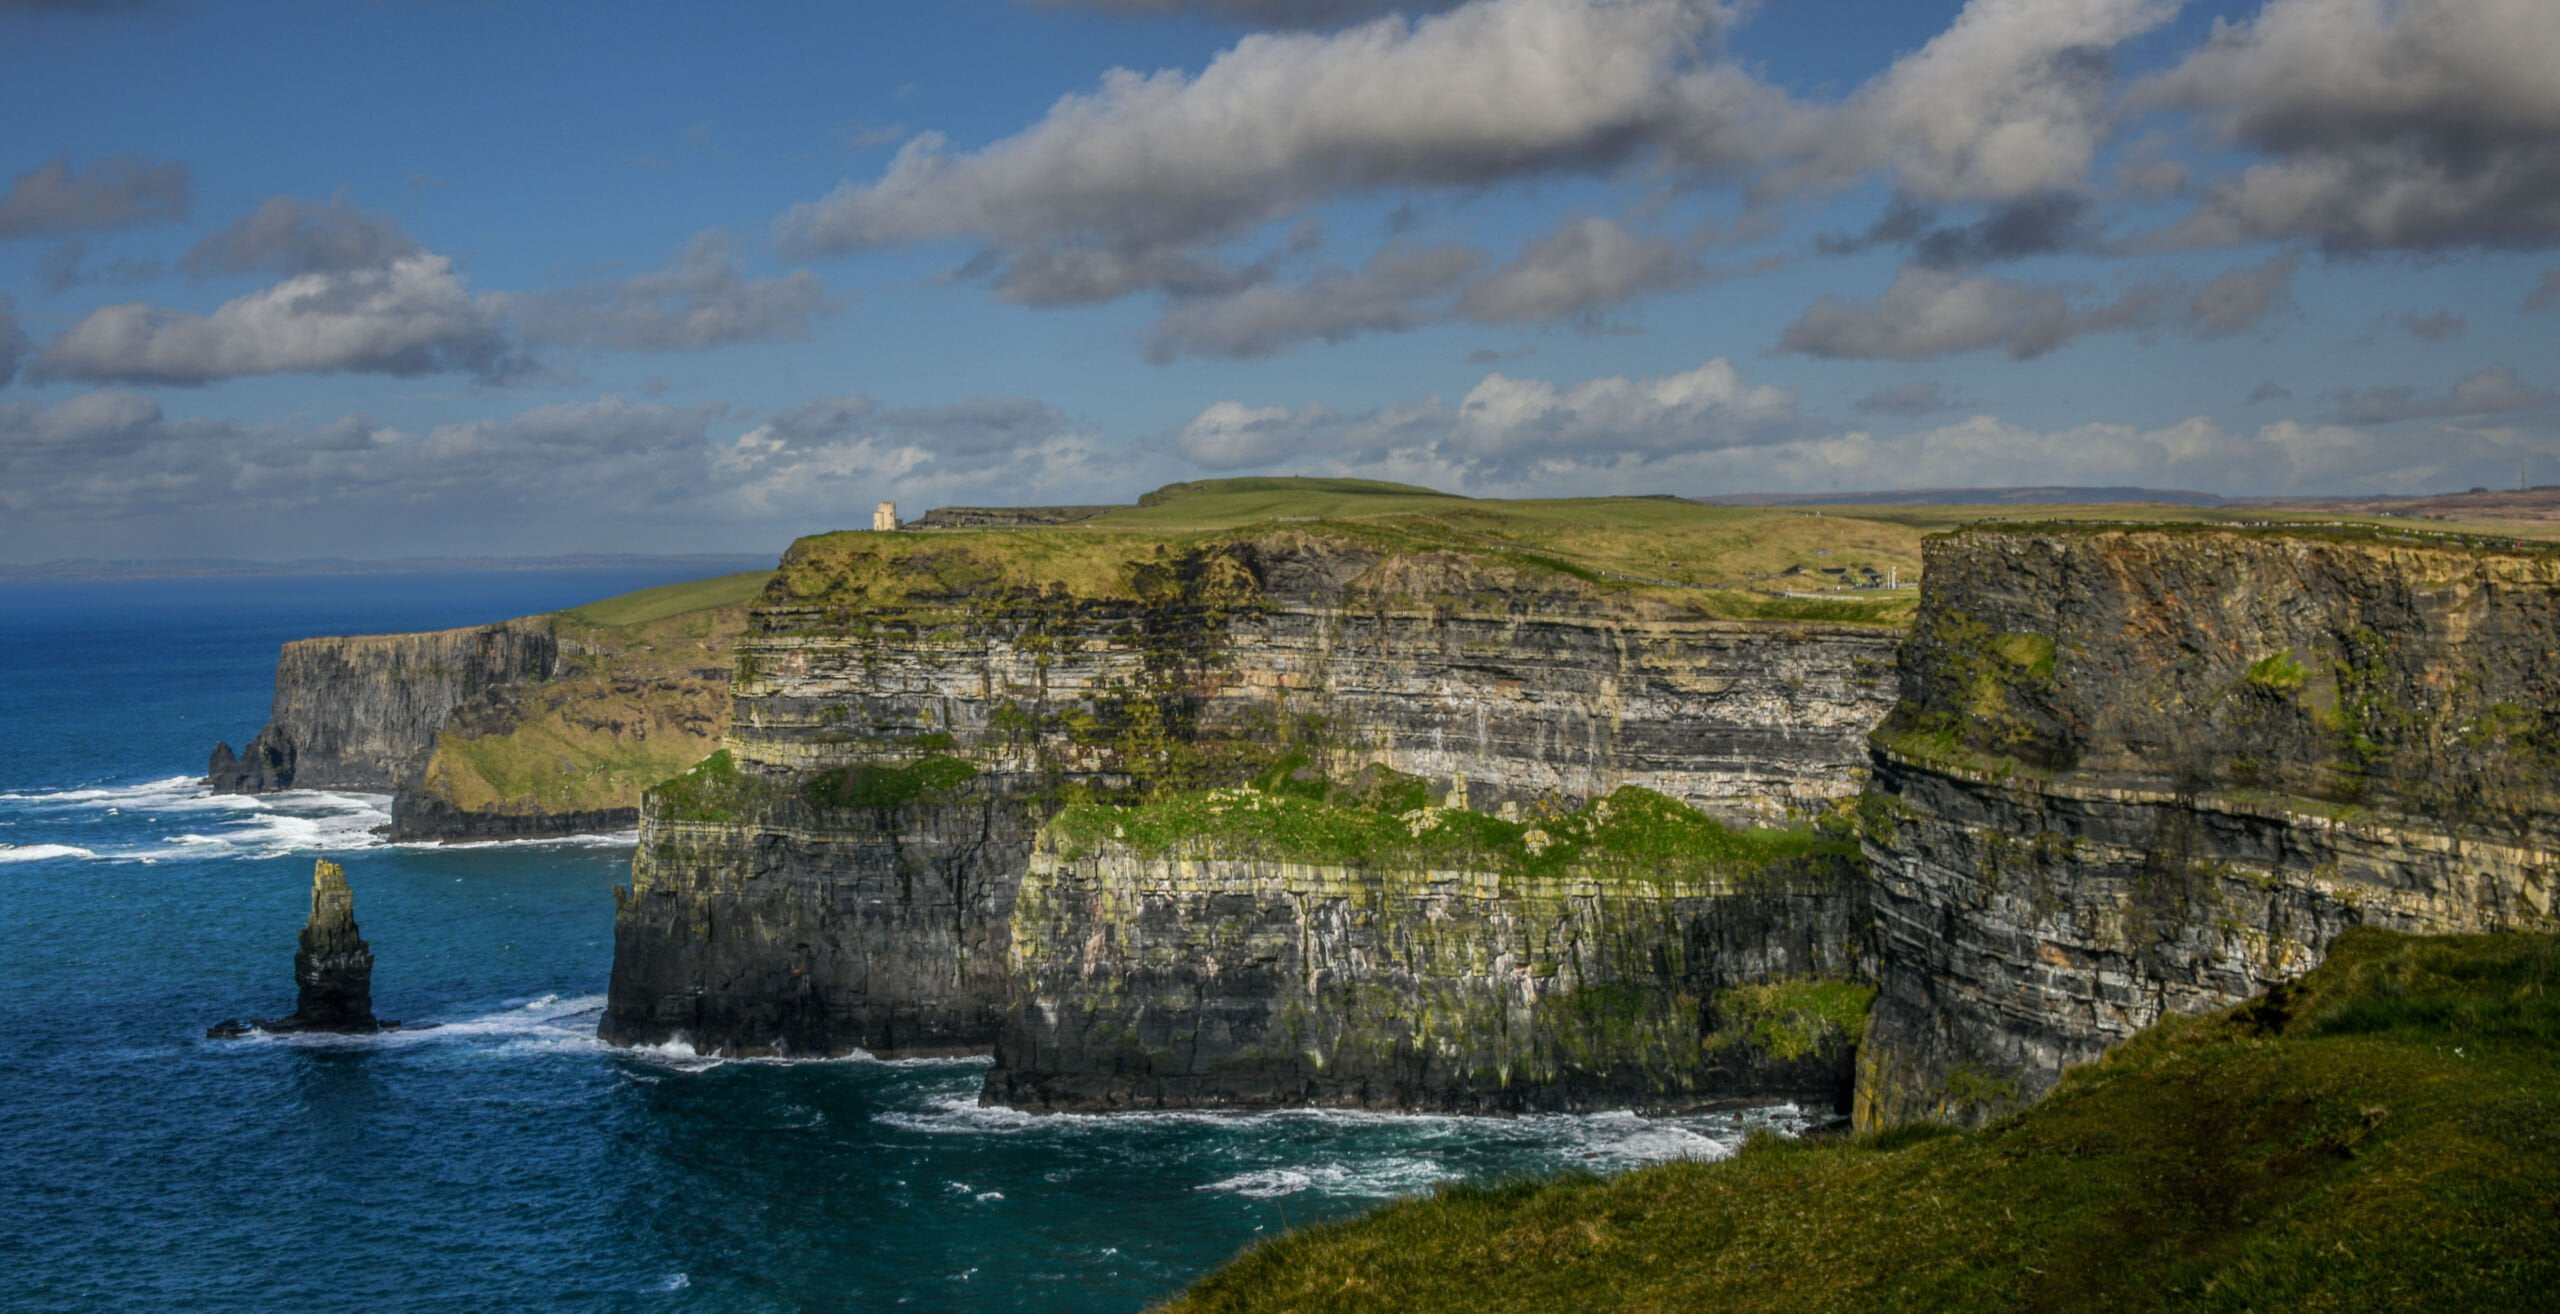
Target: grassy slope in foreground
<point>642,696</point>
<point>2384,1134</point>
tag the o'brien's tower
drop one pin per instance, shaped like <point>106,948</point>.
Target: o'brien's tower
<point>885,516</point>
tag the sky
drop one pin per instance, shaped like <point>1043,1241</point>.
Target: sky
<point>402,278</point>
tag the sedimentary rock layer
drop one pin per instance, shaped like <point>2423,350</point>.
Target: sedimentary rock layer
<point>1144,982</point>
<point>332,967</point>
<point>1499,685</point>
<point>2147,771</point>
<point>363,712</point>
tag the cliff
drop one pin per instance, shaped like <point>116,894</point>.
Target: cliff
<point>543,725</point>
<point>2138,772</point>
<point>2376,1136</point>
<point>911,709</point>
<point>1259,946</point>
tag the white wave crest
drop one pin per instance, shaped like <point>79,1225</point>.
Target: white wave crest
<point>548,1023</point>
<point>1382,1178</point>
<point>41,852</point>
<point>216,825</point>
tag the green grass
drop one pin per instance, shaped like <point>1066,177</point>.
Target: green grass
<point>2278,671</point>
<point>673,600</point>
<point>2382,1135</point>
<point>877,785</point>
<point>1789,1019</point>
<point>1639,556</point>
<point>1631,834</point>
<point>642,695</point>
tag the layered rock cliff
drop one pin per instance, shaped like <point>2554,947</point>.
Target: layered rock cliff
<point>544,725</point>
<point>1253,947</point>
<point>2148,771</point>
<point>363,712</point>
<point>910,709</point>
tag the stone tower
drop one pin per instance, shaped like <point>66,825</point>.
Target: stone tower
<point>885,517</point>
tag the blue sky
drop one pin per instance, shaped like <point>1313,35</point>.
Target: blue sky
<point>397,278</point>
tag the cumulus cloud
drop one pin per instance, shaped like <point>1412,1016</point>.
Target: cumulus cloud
<point>2238,301</point>
<point>1504,427</point>
<point>2492,391</point>
<point>2009,103</point>
<point>1931,312</point>
<point>1918,397</point>
<point>700,300</point>
<point>1392,290</point>
<point>287,236</point>
<point>118,192</point>
<point>2422,124</point>
<point>1586,265</point>
<point>1163,162</point>
<point>412,316</point>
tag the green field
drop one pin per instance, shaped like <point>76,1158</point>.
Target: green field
<point>2382,1135</point>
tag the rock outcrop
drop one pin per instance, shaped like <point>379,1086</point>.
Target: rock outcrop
<point>808,893</point>
<point>333,967</point>
<point>362,712</point>
<point>2145,771</point>
<point>1146,980</point>
<point>541,726</point>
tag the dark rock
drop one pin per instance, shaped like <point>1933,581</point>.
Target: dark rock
<point>362,712</point>
<point>265,766</point>
<point>229,1029</point>
<point>333,967</point>
<point>419,816</point>
<point>2141,772</point>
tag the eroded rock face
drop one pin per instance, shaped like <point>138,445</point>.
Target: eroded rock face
<point>1146,982</point>
<point>333,968</point>
<point>2146,772</point>
<point>771,928</point>
<point>363,712</point>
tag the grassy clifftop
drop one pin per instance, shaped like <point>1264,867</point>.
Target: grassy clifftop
<point>2382,1134</point>
<point>641,695</point>
<point>1642,554</point>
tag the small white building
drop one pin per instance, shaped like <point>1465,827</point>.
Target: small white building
<point>885,517</point>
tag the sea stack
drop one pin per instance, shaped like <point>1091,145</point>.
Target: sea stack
<point>334,968</point>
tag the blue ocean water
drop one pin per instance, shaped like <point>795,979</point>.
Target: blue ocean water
<point>505,1159</point>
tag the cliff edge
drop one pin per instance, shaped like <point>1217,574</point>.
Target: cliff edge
<point>2145,771</point>
<point>543,725</point>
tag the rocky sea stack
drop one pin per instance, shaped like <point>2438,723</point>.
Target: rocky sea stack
<point>334,967</point>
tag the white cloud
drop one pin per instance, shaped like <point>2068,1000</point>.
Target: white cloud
<point>1152,163</point>
<point>1931,312</point>
<point>2008,102</point>
<point>1391,291</point>
<point>1504,427</point>
<point>1584,266</point>
<point>295,237</point>
<point>2414,124</point>
<point>700,300</point>
<point>412,316</point>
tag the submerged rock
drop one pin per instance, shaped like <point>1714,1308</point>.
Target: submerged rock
<point>334,967</point>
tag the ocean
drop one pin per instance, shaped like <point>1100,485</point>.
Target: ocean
<point>505,1159</point>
